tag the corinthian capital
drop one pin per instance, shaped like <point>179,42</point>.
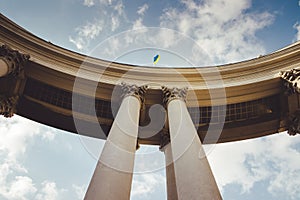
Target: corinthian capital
<point>8,105</point>
<point>170,94</point>
<point>134,90</point>
<point>164,138</point>
<point>294,123</point>
<point>291,81</point>
<point>14,60</point>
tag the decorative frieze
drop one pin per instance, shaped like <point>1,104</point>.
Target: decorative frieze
<point>134,90</point>
<point>8,105</point>
<point>294,123</point>
<point>170,94</point>
<point>14,60</point>
<point>291,81</point>
<point>164,138</point>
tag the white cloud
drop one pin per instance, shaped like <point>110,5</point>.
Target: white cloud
<point>16,135</point>
<point>220,32</point>
<point>115,23</point>
<point>13,186</point>
<point>19,189</point>
<point>16,132</point>
<point>109,18</point>
<point>106,2</point>
<point>79,191</point>
<point>79,42</point>
<point>113,46</point>
<point>297,27</point>
<point>88,3</point>
<point>226,30</point>
<point>273,159</point>
<point>144,185</point>
<point>48,135</point>
<point>48,191</point>
<point>142,10</point>
<point>91,30</point>
<point>119,7</point>
<point>138,24</point>
<point>86,33</point>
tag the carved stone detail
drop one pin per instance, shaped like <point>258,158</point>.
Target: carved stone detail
<point>294,123</point>
<point>174,93</point>
<point>291,81</point>
<point>14,59</point>
<point>8,105</point>
<point>164,138</point>
<point>134,90</point>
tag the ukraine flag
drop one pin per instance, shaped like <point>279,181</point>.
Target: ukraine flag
<point>156,59</point>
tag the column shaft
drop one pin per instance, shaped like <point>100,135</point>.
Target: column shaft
<point>113,174</point>
<point>170,173</point>
<point>194,178</point>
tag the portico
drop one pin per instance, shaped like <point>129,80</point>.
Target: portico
<point>37,82</point>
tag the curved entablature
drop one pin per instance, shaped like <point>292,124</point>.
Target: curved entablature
<point>251,91</point>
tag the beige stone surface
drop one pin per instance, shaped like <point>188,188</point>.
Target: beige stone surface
<point>170,173</point>
<point>194,178</point>
<point>113,174</point>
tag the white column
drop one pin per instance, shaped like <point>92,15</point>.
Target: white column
<point>113,174</point>
<point>170,174</point>
<point>194,178</point>
<point>3,68</point>
<point>165,146</point>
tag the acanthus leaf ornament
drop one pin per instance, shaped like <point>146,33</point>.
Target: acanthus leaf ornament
<point>170,94</point>
<point>134,90</point>
<point>8,105</point>
<point>14,60</point>
<point>291,81</point>
<point>294,123</point>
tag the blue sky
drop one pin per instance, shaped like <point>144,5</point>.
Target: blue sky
<point>39,162</point>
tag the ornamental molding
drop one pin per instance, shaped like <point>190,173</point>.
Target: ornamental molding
<point>14,60</point>
<point>8,105</point>
<point>291,81</point>
<point>164,138</point>
<point>134,90</point>
<point>170,94</point>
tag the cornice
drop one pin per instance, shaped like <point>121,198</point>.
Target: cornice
<point>241,82</point>
<point>64,65</point>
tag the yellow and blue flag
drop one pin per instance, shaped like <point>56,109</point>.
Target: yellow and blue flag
<point>156,59</point>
